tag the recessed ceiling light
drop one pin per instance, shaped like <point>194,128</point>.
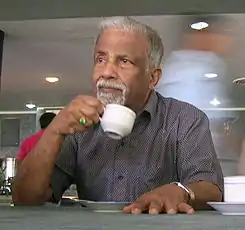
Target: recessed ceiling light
<point>52,79</point>
<point>211,75</point>
<point>215,102</point>
<point>199,25</point>
<point>30,106</point>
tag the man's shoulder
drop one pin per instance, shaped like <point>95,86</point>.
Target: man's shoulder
<point>182,109</point>
<point>184,116</point>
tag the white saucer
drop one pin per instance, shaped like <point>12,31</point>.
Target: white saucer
<point>229,208</point>
<point>104,206</point>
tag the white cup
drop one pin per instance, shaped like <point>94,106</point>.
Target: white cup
<point>234,189</point>
<point>117,121</point>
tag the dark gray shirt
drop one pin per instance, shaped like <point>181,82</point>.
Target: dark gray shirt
<point>170,141</point>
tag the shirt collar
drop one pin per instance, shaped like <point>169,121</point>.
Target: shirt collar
<point>151,105</point>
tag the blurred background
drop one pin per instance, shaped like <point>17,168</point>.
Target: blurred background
<point>46,59</point>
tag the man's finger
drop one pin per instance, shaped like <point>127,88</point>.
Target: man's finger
<point>137,207</point>
<point>185,208</point>
<point>155,207</point>
<point>170,207</point>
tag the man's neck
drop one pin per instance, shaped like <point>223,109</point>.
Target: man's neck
<point>141,104</point>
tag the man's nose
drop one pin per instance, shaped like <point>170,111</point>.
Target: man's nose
<point>109,70</point>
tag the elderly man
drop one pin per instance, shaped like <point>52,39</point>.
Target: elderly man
<point>166,164</point>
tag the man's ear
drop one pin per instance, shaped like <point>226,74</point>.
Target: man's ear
<point>155,76</point>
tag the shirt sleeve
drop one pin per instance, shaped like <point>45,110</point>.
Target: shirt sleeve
<point>64,171</point>
<point>196,156</point>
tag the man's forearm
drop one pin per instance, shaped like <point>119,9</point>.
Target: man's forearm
<point>31,184</point>
<point>204,192</point>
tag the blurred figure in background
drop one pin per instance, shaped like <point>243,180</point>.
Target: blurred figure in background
<point>30,142</point>
<point>195,72</point>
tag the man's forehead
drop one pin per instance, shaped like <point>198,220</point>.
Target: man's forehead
<point>121,40</point>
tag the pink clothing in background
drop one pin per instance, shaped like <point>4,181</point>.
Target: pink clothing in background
<point>28,144</point>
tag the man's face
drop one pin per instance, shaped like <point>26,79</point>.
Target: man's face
<point>120,68</point>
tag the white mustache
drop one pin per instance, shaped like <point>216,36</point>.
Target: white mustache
<point>110,84</point>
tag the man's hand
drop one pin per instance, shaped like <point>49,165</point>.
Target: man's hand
<point>82,107</point>
<point>168,198</point>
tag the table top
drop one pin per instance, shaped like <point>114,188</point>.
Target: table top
<point>70,218</point>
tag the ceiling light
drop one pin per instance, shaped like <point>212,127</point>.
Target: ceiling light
<point>199,25</point>
<point>52,79</point>
<point>211,75</point>
<point>215,102</point>
<point>30,106</point>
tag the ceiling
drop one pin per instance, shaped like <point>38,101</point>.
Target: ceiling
<point>34,49</point>
<point>46,9</point>
<point>63,47</point>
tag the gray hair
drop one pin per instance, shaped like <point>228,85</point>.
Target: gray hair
<point>155,50</point>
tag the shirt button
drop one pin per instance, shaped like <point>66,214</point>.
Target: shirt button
<point>120,177</point>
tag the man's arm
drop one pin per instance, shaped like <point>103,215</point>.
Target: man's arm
<point>197,163</point>
<point>204,191</point>
<point>197,167</point>
<point>18,163</point>
<point>32,184</point>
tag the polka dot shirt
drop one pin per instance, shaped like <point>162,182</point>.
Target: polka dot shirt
<point>170,141</point>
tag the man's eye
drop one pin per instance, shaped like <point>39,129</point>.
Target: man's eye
<point>126,61</point>
<point>99,60</point>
